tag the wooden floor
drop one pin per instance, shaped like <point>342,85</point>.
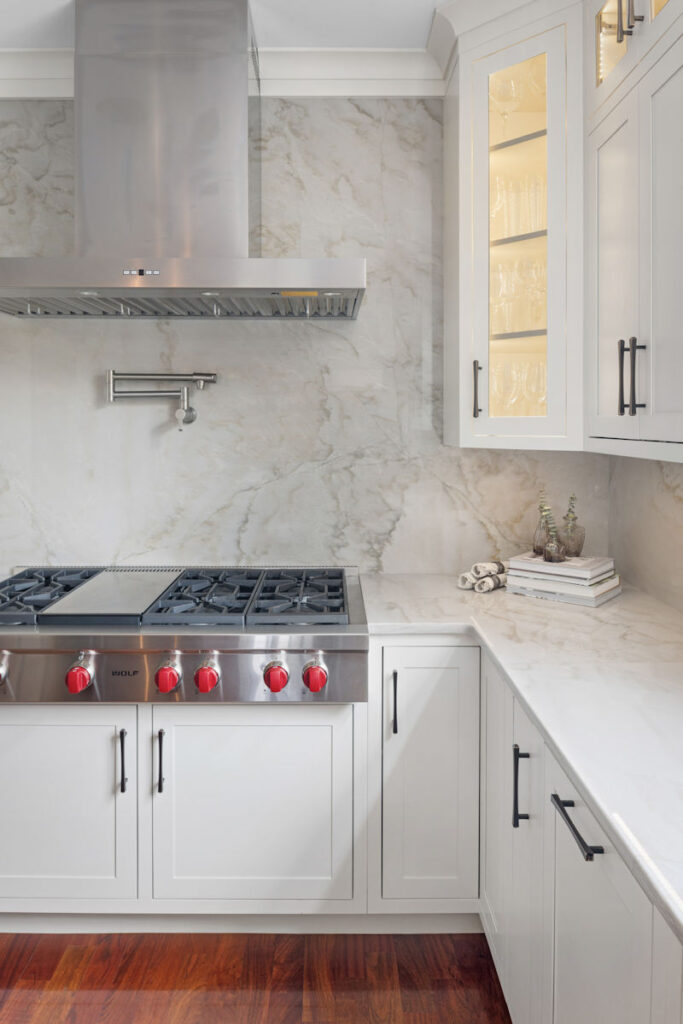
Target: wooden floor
<point>248,979</point>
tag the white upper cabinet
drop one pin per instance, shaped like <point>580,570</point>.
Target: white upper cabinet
<point>618,36</point>
<point>513,362</point>
<point>634,366</point>
<point>613,264</point>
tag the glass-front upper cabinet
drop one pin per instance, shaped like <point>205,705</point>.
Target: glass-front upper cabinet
<point>520,230</point>
<point>611,41</point>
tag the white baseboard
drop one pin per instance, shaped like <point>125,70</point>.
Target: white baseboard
<point>300,924</point>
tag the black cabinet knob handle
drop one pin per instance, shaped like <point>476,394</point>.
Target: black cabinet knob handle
<point>394,728</point>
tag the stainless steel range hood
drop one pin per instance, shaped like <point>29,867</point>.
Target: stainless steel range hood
<point>168,179</point>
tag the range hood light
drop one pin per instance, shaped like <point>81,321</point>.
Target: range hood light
<point>89,295</point>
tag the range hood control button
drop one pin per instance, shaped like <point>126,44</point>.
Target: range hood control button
<point>275,676</point>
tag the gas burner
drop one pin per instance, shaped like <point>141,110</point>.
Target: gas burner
<point>205,597</point>
<point>300,596</point>
<point>29,592</point>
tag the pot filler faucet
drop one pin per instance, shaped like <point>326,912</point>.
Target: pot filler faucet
<point>185,413</point>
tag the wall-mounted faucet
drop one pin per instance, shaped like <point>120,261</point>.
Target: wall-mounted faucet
<point>185,412</point>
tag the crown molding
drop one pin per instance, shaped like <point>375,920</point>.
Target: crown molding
<point>49,74</point>
<point>347,72</point>
<point>36,74</point>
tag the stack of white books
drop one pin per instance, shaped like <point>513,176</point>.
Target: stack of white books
<point>585,581</point>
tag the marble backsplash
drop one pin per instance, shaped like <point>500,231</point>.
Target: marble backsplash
<point>646,525</point>
<point>320,442</point>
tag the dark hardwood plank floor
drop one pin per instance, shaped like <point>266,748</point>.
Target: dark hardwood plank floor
<point>248,979</point>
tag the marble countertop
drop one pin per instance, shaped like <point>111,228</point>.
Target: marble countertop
<point>605,686</point>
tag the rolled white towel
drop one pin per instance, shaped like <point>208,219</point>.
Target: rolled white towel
<point>466,580</point>
<point>482,569</point>
<point>494,582</point>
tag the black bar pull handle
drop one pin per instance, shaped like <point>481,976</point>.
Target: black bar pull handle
<point>621,348</point>
<point>517,755</point>
<point>122,741</point>
<point>587,851</point>
<point>394,727</point>
<point>634,348</point>
<point>161,760</point>
<point>632,16</point>
<point>477,369</point>
<point>621,31</point>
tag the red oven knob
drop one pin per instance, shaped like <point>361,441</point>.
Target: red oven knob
<point>206,678</point>
<point>167,678</point>
<point>275,676</point>
<point>78,678</point>
<point>315,677</point>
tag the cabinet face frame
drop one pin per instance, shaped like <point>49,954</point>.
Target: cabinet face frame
<point>561,427</point>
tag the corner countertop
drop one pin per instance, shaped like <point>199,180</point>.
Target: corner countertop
<point>605,687</point>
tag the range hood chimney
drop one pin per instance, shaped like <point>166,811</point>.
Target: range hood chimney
<point>163,186</point>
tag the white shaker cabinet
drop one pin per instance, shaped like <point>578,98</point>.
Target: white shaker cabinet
<point>496,823</point>
<point>255,802</point>
<point>529,920</point>
<point>634,366</point>
<point>430,773</point>
<point>667,974</point>
<point>515,894</point>
<point>603,920</point>
<point>513,342</point>
<point>69,820</point>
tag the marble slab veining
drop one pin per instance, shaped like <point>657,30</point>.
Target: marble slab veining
<point>604,685</point>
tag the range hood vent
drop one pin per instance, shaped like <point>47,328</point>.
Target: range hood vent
<point>167,114</point>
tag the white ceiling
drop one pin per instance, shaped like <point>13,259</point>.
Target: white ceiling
<point>400,24</point>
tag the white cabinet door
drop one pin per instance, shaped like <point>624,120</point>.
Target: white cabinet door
<point>613,268</point>
<point>68,830</point>
<point>430,799</point>
<point>661,147</point>
<point>603,922</point>
<point>667,974</point>
<point>257,802</point>
<point>496,838</point>
<point>528,925</point>
<point>521,222</point>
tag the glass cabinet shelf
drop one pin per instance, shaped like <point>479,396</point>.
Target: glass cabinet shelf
<point>510,335</point>
<point>514,239</point>
<point>519,140</point>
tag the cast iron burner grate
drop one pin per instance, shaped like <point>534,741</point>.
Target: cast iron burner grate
<point>290,597</point>
<point>23,596</point>
<point>205,597</point>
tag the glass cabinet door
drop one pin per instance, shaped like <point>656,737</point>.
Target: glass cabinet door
<point>519,224</point>
<point>518,232</point>
<point>611,42</point>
